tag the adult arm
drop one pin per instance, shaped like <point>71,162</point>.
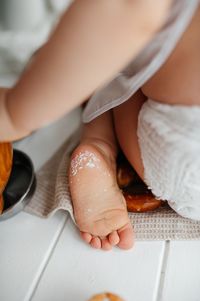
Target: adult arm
<point>92,42</point>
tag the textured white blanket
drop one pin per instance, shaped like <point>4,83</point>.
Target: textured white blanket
<point>52,194</point>
<point>169,138</point>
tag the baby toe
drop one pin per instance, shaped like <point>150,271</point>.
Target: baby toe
<point>126,237</point>
<point>113,238</point>
<point>95,242</point>
<point>105,244</point>
<point>87,237</point>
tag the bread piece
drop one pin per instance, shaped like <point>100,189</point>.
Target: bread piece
<point>141,203</point>
<point>6,155</point>
<point>106,297</point>
<point>125,175</point>
<point>137,195</point>
<point>5,164</point>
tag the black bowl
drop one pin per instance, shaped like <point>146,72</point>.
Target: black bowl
<point>20,187</point>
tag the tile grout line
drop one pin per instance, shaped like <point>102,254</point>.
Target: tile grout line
<point>29,296</point>
<point>159,293</point>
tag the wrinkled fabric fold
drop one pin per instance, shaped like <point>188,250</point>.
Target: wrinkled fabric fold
<point>146,64</point>
<point>52,194</point>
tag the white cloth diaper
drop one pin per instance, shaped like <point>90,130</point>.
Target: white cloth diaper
<point>169,139</point>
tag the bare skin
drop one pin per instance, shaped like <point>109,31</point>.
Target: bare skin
<point>182,88</point>
<point>107,224</point>
<point>93,41</point>
<point>177,82</point>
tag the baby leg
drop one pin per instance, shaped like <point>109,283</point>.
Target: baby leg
<point>99,206</point>
<point>125,122</point>
<point>163,146</point>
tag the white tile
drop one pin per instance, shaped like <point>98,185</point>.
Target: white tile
<point>182,279</point>
<point>26,243</point>
<point>76,271</point>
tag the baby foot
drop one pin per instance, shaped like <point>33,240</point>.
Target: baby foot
<point>99,206</point>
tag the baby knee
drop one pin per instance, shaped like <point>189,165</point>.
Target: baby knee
<point>169,139</point>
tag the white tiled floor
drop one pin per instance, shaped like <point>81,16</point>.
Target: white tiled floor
<point>182,280</point>
<point>76,271</point>
<point>45,260</point>
<point>25,246</point>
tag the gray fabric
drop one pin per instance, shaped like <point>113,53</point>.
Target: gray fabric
<point>52,194</point>
<point>127,82</point>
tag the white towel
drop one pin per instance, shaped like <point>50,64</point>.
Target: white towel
<point>52,194</point>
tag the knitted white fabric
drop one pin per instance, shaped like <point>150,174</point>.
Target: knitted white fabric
<point>169,139</point>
